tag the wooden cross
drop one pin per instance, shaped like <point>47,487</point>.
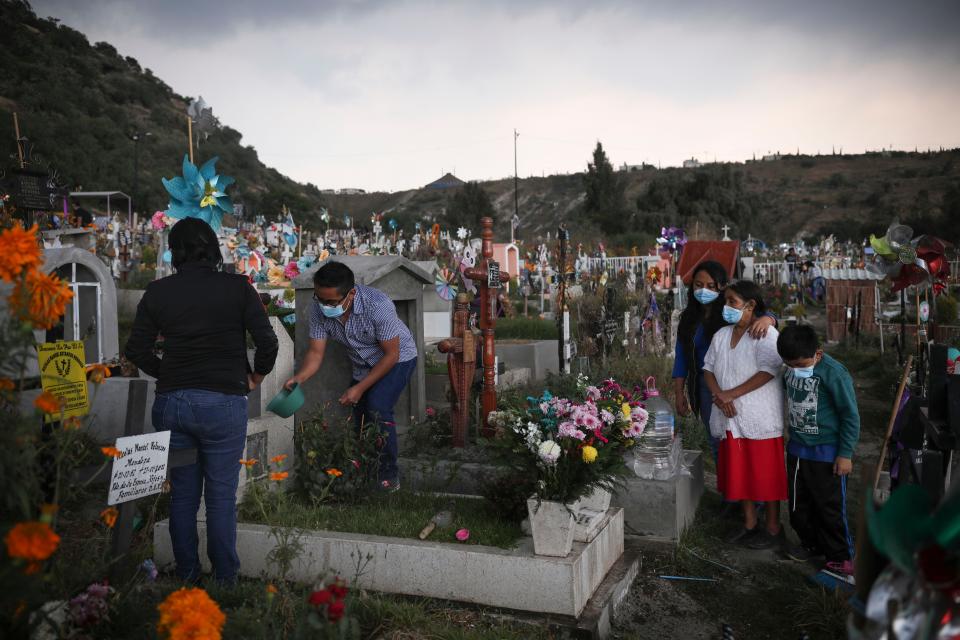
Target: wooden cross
<point>489,278</point>
<point>461,353</point>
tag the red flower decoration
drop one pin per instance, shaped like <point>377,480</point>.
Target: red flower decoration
<point>335,610</point>
<point>320,598</point>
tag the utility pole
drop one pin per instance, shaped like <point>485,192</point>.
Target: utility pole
<point>516,196</point>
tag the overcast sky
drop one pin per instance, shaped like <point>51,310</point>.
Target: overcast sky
<point>388,95</point>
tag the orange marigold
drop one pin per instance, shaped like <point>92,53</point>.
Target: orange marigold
<point>277,476</point>
<point>271,589</point>
<point>33,542</point>
<point>19,251</point>
<point>249,463</point>
<point>48,403</point>
<point>109,516</point>
<point>113,452</point>
<point>336,473</point>
<point>40,299</point>
<point>97,372</point>
<point>6,384</point>
<point>278,459</point>
<point>190,614</point>
<point>73,422</point>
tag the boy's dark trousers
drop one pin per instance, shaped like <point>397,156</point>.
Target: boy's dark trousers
<point>818,508</point>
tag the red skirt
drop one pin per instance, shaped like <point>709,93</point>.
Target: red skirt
<point>752,469</point>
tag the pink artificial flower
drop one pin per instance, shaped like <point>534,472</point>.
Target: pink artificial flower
<point>291,271</point>
<point>157,221</point>
<point>431,412</point>
<point>593,393</point>
<point>463,534</point>
<point>356,465</point>
<point>639,416</point>
<point>607,417</point>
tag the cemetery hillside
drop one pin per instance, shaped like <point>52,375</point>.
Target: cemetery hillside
<point>95,97</point>
<point>718,400</point>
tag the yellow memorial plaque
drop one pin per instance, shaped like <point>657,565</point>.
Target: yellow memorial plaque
<point>63,373</point>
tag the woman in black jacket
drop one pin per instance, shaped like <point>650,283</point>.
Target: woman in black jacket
<point>203,378</point>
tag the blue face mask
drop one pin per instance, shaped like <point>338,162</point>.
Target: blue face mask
<point>705,296</point>
<point>731,315</point>
<point>332,312</point>
<point>802,372</point>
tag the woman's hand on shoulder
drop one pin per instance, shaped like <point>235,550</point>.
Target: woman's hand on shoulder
<point>760,327</point>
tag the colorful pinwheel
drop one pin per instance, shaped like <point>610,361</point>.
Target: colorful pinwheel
<point>446,284</point>
<point>199,193</point>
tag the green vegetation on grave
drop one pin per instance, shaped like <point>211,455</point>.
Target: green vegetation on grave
<point>521,328</point>
<point>402,514</point>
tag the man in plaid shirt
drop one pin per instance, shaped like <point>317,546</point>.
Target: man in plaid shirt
<point>381,348</point>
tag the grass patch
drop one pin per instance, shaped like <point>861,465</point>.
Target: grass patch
<point>401,515</point>
<point>526,329</point>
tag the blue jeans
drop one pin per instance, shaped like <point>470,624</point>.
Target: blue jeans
<point>376,405</point>
<point>215,424</point>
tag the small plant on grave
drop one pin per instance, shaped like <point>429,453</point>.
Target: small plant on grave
<point>328,615</point>
<point>433,434</point>
<point>571,445</point>
<point>335,459</point>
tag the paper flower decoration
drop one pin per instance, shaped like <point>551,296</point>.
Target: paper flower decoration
<point>291,271</point>
<point>917,262</point>
<point>672,239</point>
<point>463,535</point>
<point>393,224</point>
<point>446,284</point>
<point>462,233</point>
<point>199,193</point>
<point>158,222</point>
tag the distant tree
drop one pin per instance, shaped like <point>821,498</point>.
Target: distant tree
<point>468,205</point>
<point>605,203</point>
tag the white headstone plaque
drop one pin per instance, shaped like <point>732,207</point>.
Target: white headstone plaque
<point>141,468</point>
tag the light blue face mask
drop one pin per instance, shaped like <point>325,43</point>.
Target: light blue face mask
<point>731,315</point>
<point>802,372</point>
<point>332,312</point>
<point>705,296</point>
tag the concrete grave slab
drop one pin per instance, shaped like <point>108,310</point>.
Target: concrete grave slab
<point>510,579</point>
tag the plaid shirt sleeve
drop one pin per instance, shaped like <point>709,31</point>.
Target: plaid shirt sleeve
<point>317,330</point>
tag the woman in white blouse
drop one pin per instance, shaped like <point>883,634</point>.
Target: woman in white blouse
<point>744,379</point>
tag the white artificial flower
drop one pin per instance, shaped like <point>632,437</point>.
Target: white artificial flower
<point>461,233</point>
<point>549,452</point>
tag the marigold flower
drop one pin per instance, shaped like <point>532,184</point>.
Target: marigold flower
<point>335,473</point>
<point>33,542</point>
<point>113,452</point>
<point>190,614</point>
<point>19,251</point>
<point>40,299</point>
<point>278,459</point>
<point>6,384</point>
<point>277,476</point>
<point>109,516</point>
<point>98,372</point>
<point>249,462</point>
<point>271,589</point>
<point>48,403</point>
<point>589,454</point>
<point>73,422</point>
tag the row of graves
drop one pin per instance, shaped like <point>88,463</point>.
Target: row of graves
<point>598,461</point>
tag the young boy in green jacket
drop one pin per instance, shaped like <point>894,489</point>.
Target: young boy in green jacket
<point>824,426</point>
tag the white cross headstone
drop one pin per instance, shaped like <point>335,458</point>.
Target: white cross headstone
<point>725,230</point>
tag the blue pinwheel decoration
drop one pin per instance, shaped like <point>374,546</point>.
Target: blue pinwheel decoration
<point>199,193</point>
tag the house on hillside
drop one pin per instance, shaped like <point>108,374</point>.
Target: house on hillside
<point>771,157</point>
<point>692,163</point>
<point>351,191</point>
<point>448,181</point>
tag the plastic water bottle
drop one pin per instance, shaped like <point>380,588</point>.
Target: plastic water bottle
<point>654,455</point>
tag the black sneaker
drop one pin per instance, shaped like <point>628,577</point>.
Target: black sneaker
<point>740,535</point>
<point>800,553</point>
<point>763,539</point>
